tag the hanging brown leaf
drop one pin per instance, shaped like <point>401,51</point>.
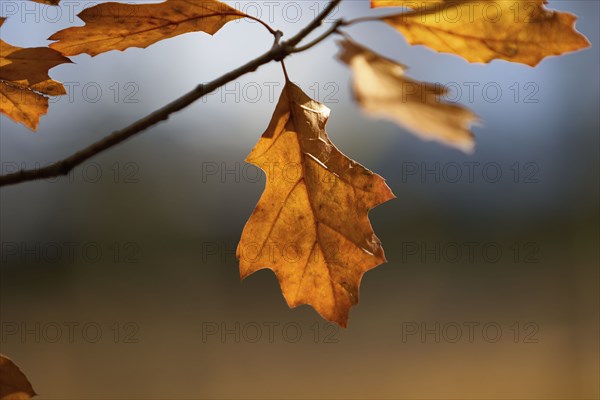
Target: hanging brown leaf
<point>521,31</point>
<point>381,88</point>
<point>117,26</point>
<point>24,82</point>
<point>13,382</point>
<point>311,224</point>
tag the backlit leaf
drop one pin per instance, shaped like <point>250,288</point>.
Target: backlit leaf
<point>523,31</point>
<point>311,224</point>
<point>25,83</point>
<point>118,26</point>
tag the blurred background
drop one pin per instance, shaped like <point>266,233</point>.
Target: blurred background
<point>120,281</point>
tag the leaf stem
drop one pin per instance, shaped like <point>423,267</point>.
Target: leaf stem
<point>285,73</point>
<point>273,32</point>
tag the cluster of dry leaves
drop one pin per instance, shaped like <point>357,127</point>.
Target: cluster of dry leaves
<point>321,215</point>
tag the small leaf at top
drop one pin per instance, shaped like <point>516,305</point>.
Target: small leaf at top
<point>118,26</point>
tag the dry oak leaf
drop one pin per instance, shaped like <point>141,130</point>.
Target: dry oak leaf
<point>118,26</point>
<point>13,382</point>
<point>522,31</point>
<point>49,2</point>
<point>24,82</point>
<point>311,224</point>
<point>382,89</point>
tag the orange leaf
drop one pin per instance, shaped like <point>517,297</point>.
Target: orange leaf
<point>311,224</point>
<point>24,82</point>
<point>521,31</point>
<point>381,88</point>
<point>117,26</point>
<point>13,382</point>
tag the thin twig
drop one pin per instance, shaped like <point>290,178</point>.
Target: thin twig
<point>329,32</point>
<point>278,52</point>
<point>273,32</point>
<point>317,22</point>
<point>370,19</point>
<point>336,29</point>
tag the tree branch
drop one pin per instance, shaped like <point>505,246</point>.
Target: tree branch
<point>278,52</point>
<point>317,22</point>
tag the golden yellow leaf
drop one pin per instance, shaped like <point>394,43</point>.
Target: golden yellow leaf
<point>13,383</point>
<point>24,82</point>
<point>118,26</point>
<point>311,224</point>
<point>521,31</point>
<point>381,89</point>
